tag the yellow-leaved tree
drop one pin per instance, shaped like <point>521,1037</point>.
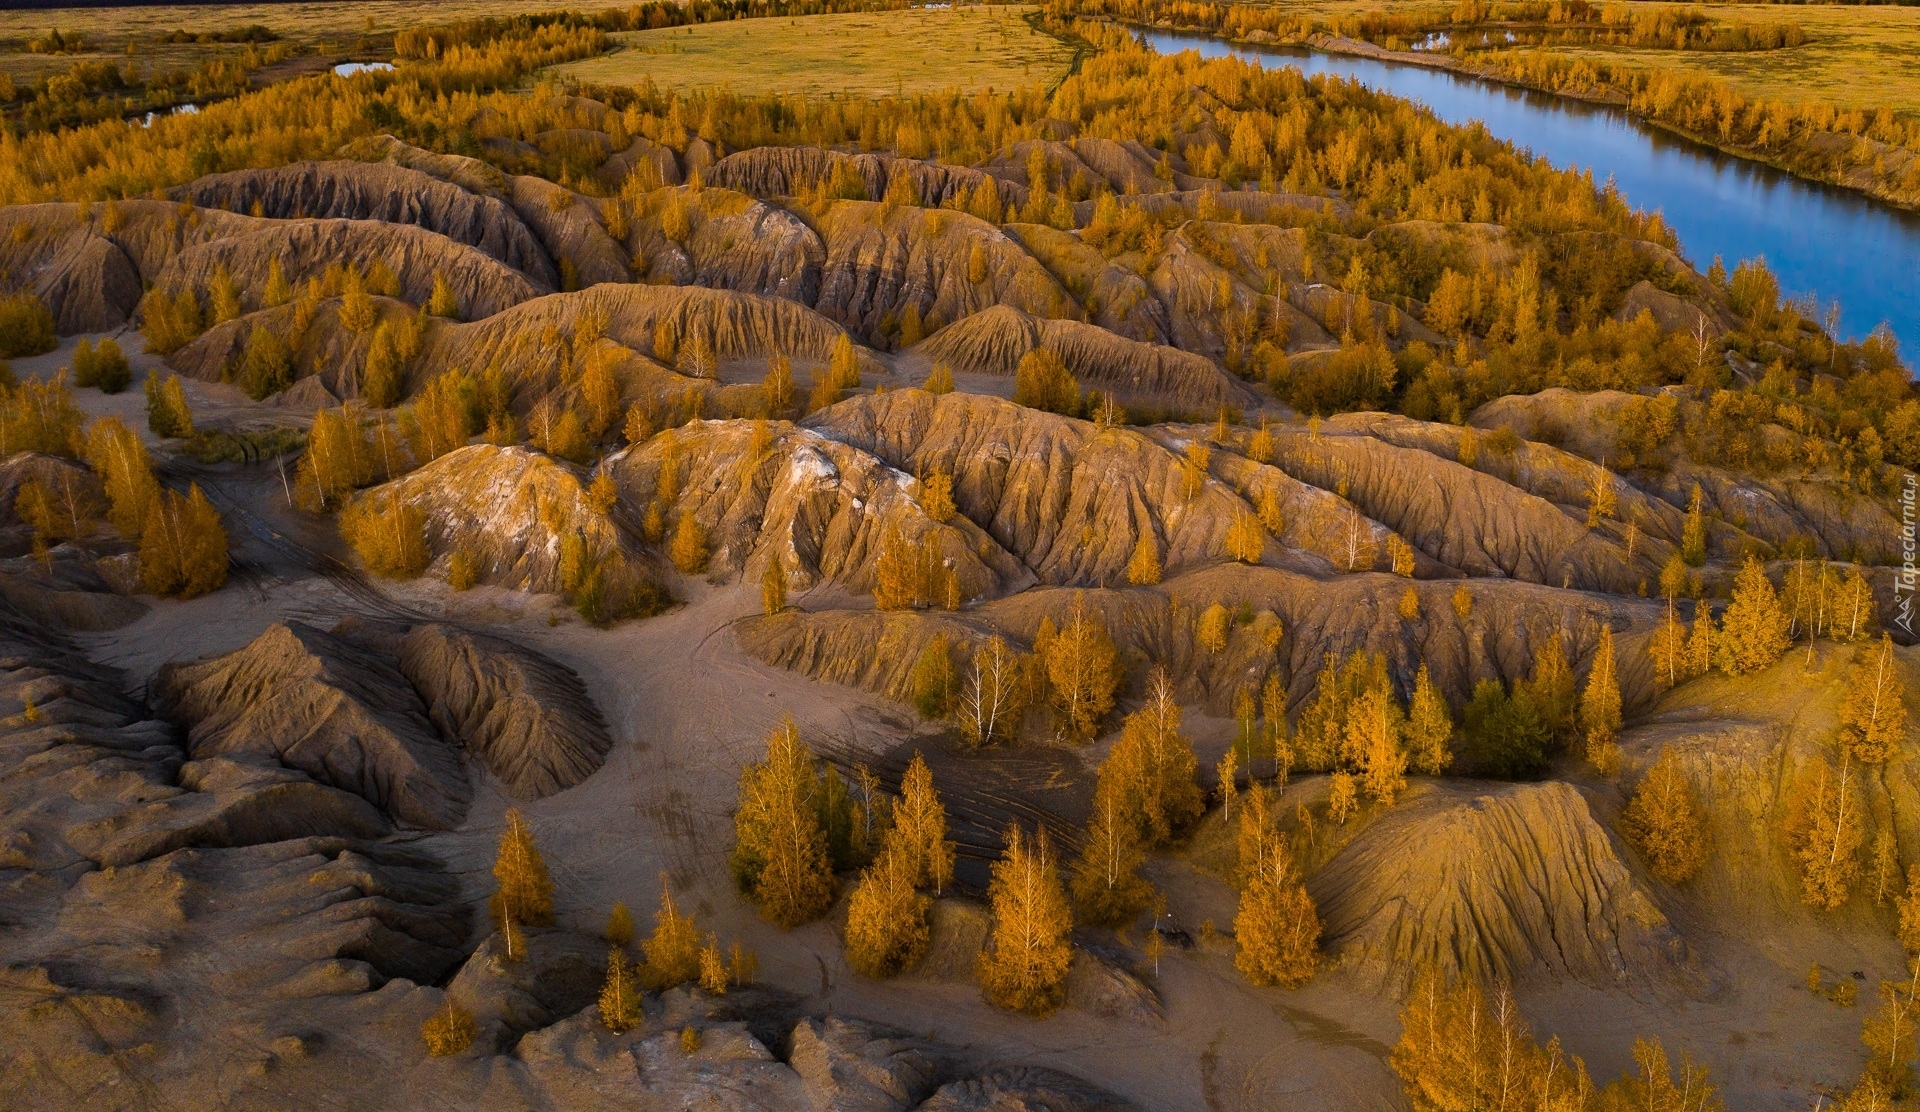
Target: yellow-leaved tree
<point>780,850</point>
<point>887,931</point>
<point>1753,630</point>
<point>1153,769</point>
<point>993,693</point>
<point>1143,567</point>
<point>1665,823</point>
<point>1024,966</point>
<point>449,1030</point>
<point>619,994</point>
<point>1429,731</point>
<point>1825,830</point>
<point>168,415</point>
<point>773,585</point>
<point>1277,927</point>
<point>1873,720</point>
<point>1462,1047</point>
<point>1082,671</point>
<point>1668,648</point>
<point>183,549</point>
<point>673,949</point>
<point>1108,890</point>
<point>1600,706</point>
<point>524,893</point>
<point>919,834</point>
<point>116,454</point>
<point>388,533</point>
<point>1246,538</point>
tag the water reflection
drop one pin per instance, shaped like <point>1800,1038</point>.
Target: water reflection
<point>176,110</point>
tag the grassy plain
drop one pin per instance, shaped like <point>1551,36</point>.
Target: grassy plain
<point>136,36</point>
<point>1855,56</point>
<point>114,27</point>
<point>866,54</point>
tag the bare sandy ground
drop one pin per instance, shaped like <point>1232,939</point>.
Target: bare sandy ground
<point>688,708</point>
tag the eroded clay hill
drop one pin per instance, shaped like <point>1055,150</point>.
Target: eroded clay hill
<point>1517,880</point>
<point>747,343</point>
<point>392,719</point>
<point>144,856</point>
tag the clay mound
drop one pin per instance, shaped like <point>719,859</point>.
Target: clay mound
<point>1744,510</point>
<point>994,341</point>
<point>736,243</point>
<point>1517,881</point>
<point>227,803</point>
<point>572,228</point>
<point>1127,165</point>
<point>1188,281</point>
<point>302,918</point>
<point>1747,747</point>
<point>880,261</point>
<point>525,340</point>
<point>786,171</point>
<point>207,946</point>
<point>1065,498</point>
<point>1022,1087</point>
<point>195,865</point>
<point>1093,161</point>
<point>873,650</point>
<point>73,590</point>
<point>77,258</point>
<point>54,473</point>
<point>506,508</point>
<point>305,248</point>
<point>620,165</point>
<point>525,716</point>
<point>1118,299</point>
<point>335,709</point>
<point>471,174</point>
<point>1465,245</point>
<point>556,975</point>
<point>83,277</point>
<point>1672,312</point>
<point>1252,205</point>
<point>309,395</point>
<point>1296,620</point>
<point>327,361</point>
<point>1466,519</point>
<point>384,192</point>
<point>822,508</point>
<point>1551,473</point>
<point>153,232</point>
<point>1332,309</point>
<point>862,1067</point>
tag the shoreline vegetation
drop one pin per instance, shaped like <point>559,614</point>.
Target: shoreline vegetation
<point>1875,153</point>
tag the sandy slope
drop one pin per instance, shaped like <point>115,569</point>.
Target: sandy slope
<point>687,707</point>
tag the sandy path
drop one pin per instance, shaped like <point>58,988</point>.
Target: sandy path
<point>688,708</point>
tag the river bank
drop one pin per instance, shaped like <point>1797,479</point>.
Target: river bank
<point>1883,171</point>
<point>1825,244</point>
<point>1898,184</point>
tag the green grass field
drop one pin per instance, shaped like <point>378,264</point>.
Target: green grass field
<point>869,54</point>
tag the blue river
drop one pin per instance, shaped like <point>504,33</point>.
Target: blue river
<point>1821,241</point>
